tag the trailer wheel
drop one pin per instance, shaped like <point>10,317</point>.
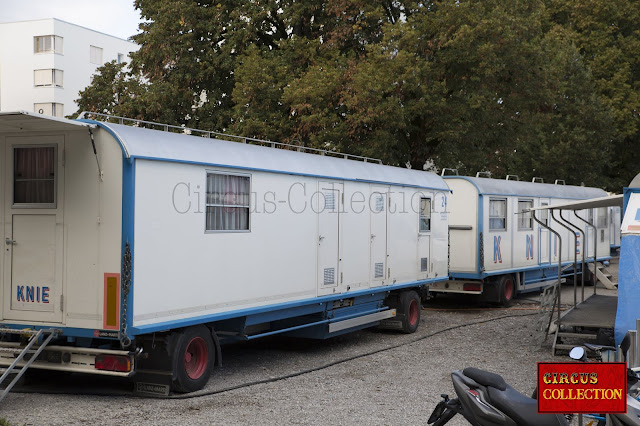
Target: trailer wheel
<point>506,290</point>
<point>410,308</point>
<point>193,358</point>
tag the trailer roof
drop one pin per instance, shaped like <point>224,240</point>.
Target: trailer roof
<point>487,186</point>
<point>19,121</point>
<point>159,145</point>
<point>594,203</point>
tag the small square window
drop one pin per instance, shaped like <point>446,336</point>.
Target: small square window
<point>227,202</point>
<point>498,215</point>
<point>53,109</point>
<point>544,214</point>
<point>47,78</point>
<point>95,55</point>
<point>34,176</point>
<point>425,214</point>
<point>602,217</point>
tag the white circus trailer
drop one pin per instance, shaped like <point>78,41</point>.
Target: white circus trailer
<point>497,248</point>
<point>131,249</point>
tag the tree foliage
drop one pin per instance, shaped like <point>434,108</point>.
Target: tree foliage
<point>543,88</point>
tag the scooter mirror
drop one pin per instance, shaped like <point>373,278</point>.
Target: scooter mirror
<point>577,353</point>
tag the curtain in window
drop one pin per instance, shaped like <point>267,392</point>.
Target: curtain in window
<point>497,214</point>
<point>34,175</point>
<point>227,202</point>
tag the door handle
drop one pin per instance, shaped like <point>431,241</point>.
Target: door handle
<point>320,238</point>
<point>10,242</point>
<point>372,236</point>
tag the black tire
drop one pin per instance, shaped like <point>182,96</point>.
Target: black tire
<point>506,290</point>
<point>193,358</point>
<point>409,311</point>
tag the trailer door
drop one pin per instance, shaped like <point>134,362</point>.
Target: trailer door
<point>544,246</point>
<point>33,228</point>
<point>329,205</point>
<point>378,206</point>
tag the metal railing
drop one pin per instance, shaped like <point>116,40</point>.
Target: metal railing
<point>87,115</point>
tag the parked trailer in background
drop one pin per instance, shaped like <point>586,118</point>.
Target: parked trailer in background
<point>496,247</point>
<point>615,222</point>
<point>136,250</point>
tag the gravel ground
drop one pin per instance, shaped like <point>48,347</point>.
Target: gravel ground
<point>393,379</point>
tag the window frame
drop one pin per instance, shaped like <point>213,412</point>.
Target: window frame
<point>54,72</point>
<point>506,215</point>
<point>50,206</point>
<point>521,214</point>
<point>91,52</point>
<point>55,106</point>
<point>421,216</point>
<point>544,219</point>
<point>206,204</point>
<point>602,219</point>
<point>57,44</point>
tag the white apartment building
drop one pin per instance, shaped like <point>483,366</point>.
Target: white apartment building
<point>45,63</point>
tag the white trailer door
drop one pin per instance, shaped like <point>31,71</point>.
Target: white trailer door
<point>33,229</point>
<point>589,232</point>
<point>544,246</point>
<point>424,237</point>
<point>378,206</point>
<point>329,206</point>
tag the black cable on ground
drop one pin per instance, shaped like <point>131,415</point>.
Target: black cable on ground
<point>286,376</point>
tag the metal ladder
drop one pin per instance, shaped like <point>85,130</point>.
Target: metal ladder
<point>46,334</point>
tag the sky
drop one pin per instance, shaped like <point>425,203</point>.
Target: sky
<point>114,17</point>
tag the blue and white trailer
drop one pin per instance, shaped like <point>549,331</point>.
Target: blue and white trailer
<point>130,249</point>
<point>498,249</point>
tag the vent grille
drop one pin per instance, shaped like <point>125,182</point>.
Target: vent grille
<point>424,264</point>
<point>329,276</point>
<point>330,200</point>
<point>379,203</point>
<point>379,270</point>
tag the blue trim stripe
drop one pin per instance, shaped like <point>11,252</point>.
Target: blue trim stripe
<point>186,322</point>
<point>128,227</point>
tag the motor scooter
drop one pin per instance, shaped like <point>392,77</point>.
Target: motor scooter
<point>485,399</point>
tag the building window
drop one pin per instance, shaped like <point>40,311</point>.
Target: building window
<point>602,217</point>
<point>95,55</point>
<point>34,176</point>
<point>47,44</point>
<point>120,58</point>
<point>498,215</point>
<point>227,202</point>
<point>525,221</point>
<point>425,214</point>
<point>53,109</point>
<point>43,78</point>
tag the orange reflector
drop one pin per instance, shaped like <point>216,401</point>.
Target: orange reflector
<point>110,320</point>
<point>119,363</point>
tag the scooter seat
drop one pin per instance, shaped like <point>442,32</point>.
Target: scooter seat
<point>522,409</point>
<point>485,378</point>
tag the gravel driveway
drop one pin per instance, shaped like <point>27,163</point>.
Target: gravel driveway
<point>368,377</point>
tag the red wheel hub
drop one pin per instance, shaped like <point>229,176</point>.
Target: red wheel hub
<point>414,312</point>
<point>508,289</point>
<point>196,357</point>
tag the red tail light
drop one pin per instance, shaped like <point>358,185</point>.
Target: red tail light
<point>118,363</point>
<point>472,287</point>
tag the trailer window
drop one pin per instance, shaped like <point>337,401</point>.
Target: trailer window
<point>425,214</point>
<point>498,214</point>
<point>227,203</point>
<point>602,217</point>
<point>34,176</point>
<point>525,221</point>
<point>544,214</point>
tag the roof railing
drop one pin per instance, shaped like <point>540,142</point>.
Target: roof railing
<point>454,172</point>
<point>484,173</point>
<point>537,179</point>
<point>560,182</point>
<point>224,136</point>
<point>509,177</point>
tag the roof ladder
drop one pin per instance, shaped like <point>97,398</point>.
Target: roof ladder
<point>46,334</point>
